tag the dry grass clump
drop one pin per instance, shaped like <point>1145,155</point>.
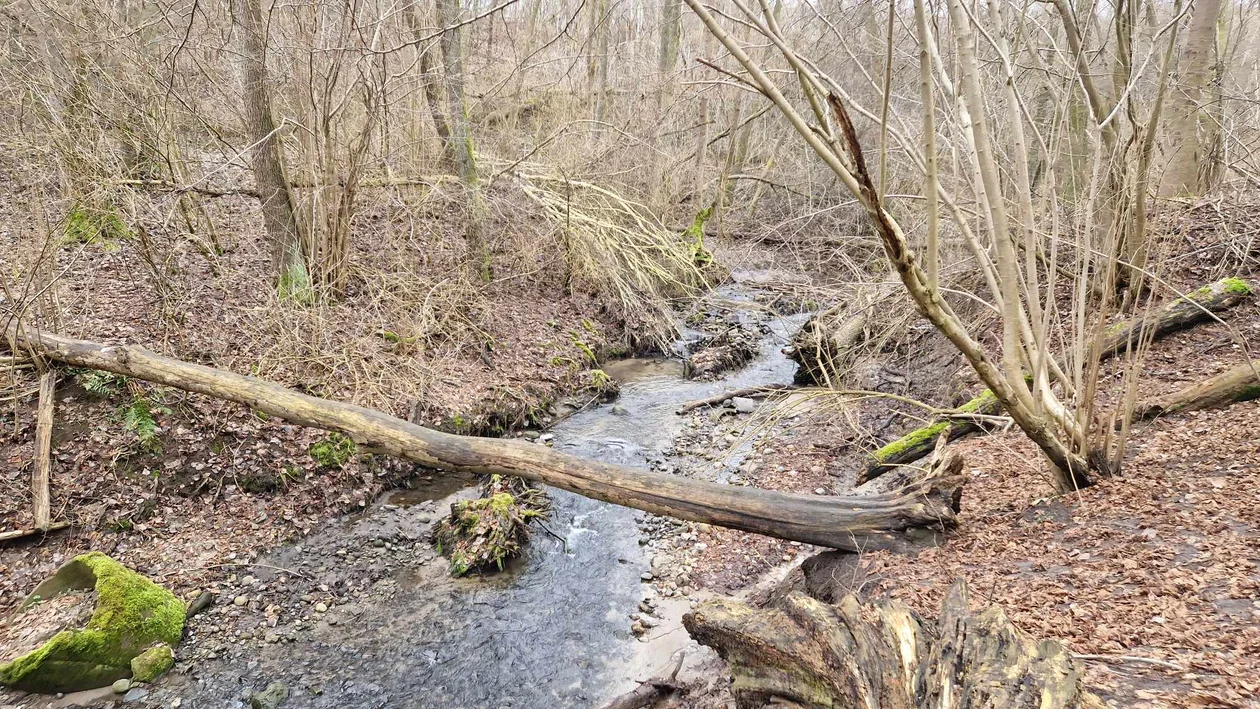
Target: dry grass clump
<point>618,247</point>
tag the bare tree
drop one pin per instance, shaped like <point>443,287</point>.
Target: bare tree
<point>1192,125</point>
<point>274,190</point>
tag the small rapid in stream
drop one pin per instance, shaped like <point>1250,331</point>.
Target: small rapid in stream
<point>550,631</point>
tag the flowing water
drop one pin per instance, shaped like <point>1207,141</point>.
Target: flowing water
<point>552,630</point>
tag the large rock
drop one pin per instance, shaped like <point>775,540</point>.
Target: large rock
<point>132,615</point>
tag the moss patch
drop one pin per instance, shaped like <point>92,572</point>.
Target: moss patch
<point>85,225</point>
<point>132,614</point>
<point>152,663</point>
<point>928,434</point>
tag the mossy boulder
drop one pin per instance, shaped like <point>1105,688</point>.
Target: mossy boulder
<point>132,616</point>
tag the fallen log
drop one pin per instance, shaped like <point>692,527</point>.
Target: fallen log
<point>843,522</point>
<point>1242,383</point>
<point>1176,315</point>
<point>825,343</point>
<point>40,477</point>
<point>921,441</point>
<point>804,652</point>
<point>1171,317</point>
<point>727,396</point>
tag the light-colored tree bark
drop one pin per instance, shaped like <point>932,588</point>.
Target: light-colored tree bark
<point>1190,135</point>
<point>274,190</point>
<point>431,84</point>
<point>463,150</point>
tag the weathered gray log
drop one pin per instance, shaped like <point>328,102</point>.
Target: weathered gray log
<point>42,473</point>
<point>843,522</point>
<point>1171,317</point>
<point>826,341</point>
<point>727,396</point>
<point>1242,383</point>
<point>1179,314</point>
<point>804,652</point>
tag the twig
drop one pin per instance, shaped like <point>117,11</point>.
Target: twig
<point>236,564</point>
<point>1131,658</point>
<point>19,533</point>
<point>725,396</point>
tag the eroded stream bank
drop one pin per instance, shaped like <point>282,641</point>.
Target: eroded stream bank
<point>363,612</point>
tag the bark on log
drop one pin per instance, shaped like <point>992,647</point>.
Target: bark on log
<point>843,522</point>
<point>1176,315</point>
<point>921,441</point>
<point>825,342</point>
<point>1171,317</point>
<point>804,652</point>
<point>1242,383</point>
<point>40,498</point>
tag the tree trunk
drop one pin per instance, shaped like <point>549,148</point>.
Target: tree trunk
<point>850,522</point>
<point>806,653</point>
<point>824,344</point>
<point>274,192</point>
<point>1242,383</point>
<point>431,85</point>
<point>1171,317</point>
<point>1189,137</point>
<point>462,149</point>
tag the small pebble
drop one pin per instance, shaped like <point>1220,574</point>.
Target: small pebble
<point>321,607</point>
<point>240,601</point>
<point>121,686</point>
<point>645,576</point>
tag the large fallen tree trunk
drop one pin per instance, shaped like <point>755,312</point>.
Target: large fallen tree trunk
<point>1242,383</point>
<point>806,653</point>
<point>1171,317</point>
<point>845,522</point>
<point>1176,315</point>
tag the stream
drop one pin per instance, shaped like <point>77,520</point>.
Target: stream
<point>552,630</point>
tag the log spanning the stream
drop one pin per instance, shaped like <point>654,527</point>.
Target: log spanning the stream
<point>1171,317</point>
<point>853,522</point>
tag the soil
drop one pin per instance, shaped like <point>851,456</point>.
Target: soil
<point>26,630</point>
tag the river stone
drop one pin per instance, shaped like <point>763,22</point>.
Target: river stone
<point>270,698</point>
<point>744,405</point>
<point>132,614</point>
<point>152,663</point>
<point>121,686</point>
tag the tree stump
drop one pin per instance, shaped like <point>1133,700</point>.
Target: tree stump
<point>808,653</point>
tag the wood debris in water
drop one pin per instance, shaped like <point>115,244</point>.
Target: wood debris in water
<point>481,534</point>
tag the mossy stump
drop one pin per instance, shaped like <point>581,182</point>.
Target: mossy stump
<point>481,534</point>
<point>134,617</point>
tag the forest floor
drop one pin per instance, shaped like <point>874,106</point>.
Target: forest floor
<point>1159,563</point>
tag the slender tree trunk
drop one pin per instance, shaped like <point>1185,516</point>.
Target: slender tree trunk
<point>463,151</point>
<point>1189,135</point>
<point>667,59</point>
<point>431,84</point>
<point>274,191</point>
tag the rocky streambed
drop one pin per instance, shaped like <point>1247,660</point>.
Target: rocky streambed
<point>364,613</point>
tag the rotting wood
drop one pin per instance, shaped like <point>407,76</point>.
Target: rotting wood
<point>40,477</point>
<point>1176,315</point>
<point>1171,317</point>
<point>727,396</point>
<point>841,522</point>
<point>1242,383</point>
<point>804,652</point>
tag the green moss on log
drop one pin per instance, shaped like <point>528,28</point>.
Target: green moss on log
<point>132,614</point>
<point>986,402</point>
